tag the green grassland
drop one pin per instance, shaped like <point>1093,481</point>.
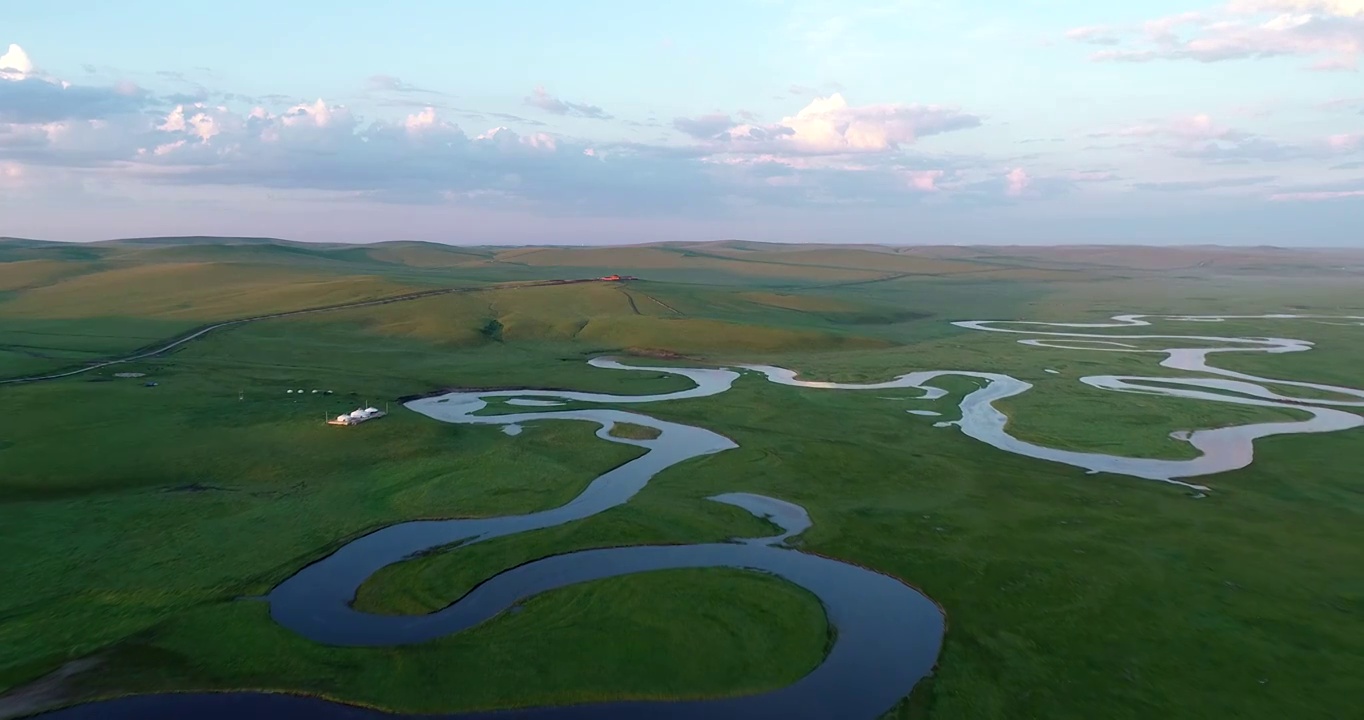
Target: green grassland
<point>137,518</point>
<point>633,431</point>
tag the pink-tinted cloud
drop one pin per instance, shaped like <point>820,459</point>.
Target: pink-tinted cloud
<point>11,174</point>
<point>1346,142</point>
<point>425,157</point>
<point>828,152</point>
<point>1331,31</point>
<point>830,125</point>
<point>924,180</point>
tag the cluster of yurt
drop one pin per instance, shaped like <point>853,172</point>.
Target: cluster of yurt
<point>358,415</point>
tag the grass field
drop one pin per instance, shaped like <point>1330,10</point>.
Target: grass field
<point>136,518</point>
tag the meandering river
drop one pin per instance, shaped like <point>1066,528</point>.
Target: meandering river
<point>888,634</point>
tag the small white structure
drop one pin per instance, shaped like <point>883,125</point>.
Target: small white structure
<point>357,416</point>
<point>291,392</point>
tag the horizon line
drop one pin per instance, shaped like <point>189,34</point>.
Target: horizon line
<point>226,239</point>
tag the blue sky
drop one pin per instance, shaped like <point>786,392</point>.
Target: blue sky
<point>897,121</point>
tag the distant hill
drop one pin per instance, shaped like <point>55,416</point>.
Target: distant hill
<point>196,240</point>
<point>27,242</point>
<point>724,261</point>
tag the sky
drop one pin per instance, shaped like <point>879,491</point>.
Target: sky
<point>617,121</point>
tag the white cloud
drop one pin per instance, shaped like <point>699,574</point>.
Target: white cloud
<point>15,64</point>
<point>1339,8</point>
<point>1093,34</point>
<point>27,96</point>
<point>1194,127</point>
<point>1332,31</point>
<point>197,120</point>
<point>829,125</point>
<point>1199,137</point>
<point>924,180</point>
<point>827,152</point>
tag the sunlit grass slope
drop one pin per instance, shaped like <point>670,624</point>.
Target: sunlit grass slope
<point>191,291</point>
<point>603,315</point>
<point>25,274</point>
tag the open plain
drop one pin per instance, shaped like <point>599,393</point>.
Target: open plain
<point>1108,547</point>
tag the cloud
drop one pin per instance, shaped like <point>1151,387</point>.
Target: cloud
<point>391,84</point>
<point>323,146</point>
<point>834,154</point>
<point>827,153</point>
<point>829,125</point>
<point>1194,127</point>
<point>1244,150</point>
<point>1342,8</point>
<point>1197,185</point>
<point>541,98</point>
<point>1348,104</point>
<point>1087,176</point>
<point>15,63</point>
<point>32,100</point>
<point>705,127</point>
<point>12,174</point>
<point>1332,31</point>
<point>1316,196</point>
<point>1317,192</point>
<point>1199,137</point>
<point>1093,35</point>
<point>924,180</point>
<point>1248,148</point>
<point>1345,142</point>
<point>27,97</point>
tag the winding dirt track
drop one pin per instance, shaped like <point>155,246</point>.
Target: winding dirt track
<point>168,345</point>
